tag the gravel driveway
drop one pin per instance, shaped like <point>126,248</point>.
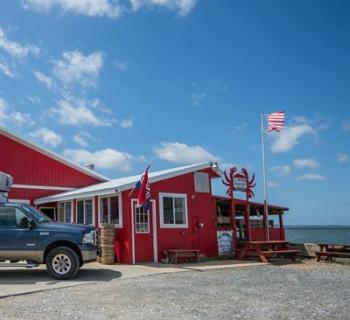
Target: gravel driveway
<point>269,292</point>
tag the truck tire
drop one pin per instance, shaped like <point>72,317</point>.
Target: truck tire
<point>62,263</point>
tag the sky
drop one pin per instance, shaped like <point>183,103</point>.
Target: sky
<point>122,84</point>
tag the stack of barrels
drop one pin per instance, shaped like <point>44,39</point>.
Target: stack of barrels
<point>107,243</point>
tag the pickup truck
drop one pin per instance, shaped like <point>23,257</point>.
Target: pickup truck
<point>28,235</point>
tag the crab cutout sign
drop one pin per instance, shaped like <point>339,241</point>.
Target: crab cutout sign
<point>236,181</point>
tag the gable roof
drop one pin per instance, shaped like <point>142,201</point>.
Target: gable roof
<point>52,155</point>
<point>122,184</point>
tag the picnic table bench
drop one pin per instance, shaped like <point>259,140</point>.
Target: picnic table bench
<point>175,254</point>
<point>266,249</point>
<point>330,251</point>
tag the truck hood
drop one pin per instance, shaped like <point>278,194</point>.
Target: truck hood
<point>66,227</point>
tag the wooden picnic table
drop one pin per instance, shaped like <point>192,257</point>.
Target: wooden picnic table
<point>333,250</point>
<point>265,249</point>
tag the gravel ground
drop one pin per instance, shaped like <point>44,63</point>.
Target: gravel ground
<point>270,292</point>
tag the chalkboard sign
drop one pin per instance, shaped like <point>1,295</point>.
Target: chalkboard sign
<point>201,182</point>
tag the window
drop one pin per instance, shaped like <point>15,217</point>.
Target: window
<point>12,218</point>
<point>84,211</point>
<point>141,220</point>
<point>65,212</point>
<point>173,210</point>
<point>109,211</point>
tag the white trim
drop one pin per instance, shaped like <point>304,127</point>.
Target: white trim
<point>132,230</point>
<point>93,210</point>
<point>155,233</point>
<point>26,201</point>
<point>161,213</point>
<point>119,195</point>
<point>126,183</point>
<point>148,222</point>
<point>32,186</point>
<point>52,155</point>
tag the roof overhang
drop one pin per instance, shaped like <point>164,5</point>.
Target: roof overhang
<point>109,187</point>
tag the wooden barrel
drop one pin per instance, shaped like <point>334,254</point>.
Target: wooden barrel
<point>107,243</point>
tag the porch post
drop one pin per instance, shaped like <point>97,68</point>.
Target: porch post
<point>247,219</point>
<point>233,221</point>
<point>282,235</point>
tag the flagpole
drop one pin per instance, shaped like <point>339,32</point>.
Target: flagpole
<point>266,214</point>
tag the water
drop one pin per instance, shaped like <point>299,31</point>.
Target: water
<point>315,234</point>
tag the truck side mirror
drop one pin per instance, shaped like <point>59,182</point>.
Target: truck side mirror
<point>31,224</point>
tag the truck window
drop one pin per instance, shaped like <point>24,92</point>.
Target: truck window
<point>11,217</point>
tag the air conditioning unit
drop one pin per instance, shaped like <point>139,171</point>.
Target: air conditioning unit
<point>5,186</point>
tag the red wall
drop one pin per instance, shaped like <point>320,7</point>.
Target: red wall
<point>200,207</point>
<point>28,166</point>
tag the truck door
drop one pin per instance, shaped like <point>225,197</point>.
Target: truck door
<point>16,240</point>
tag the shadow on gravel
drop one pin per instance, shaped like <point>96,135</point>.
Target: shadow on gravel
<point>34,276</point>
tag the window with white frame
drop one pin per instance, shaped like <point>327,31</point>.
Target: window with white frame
<point>141,220</point>
<point>109,210</point>
<point>64,212</point>
<point>84,211</point>
<point>173,210</point>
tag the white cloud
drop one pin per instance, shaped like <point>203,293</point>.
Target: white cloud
<point>13,118</point>
<point>342,157</point>
<point>312,176</point>
<point>183,7</point>
<point>181,153</point>
<point>289,137</point>
<point>121,65</point>
<point>78,112</point>
<point>83,138</point>
<point>16,49</point>
<point>306,163</point>
<point>77,67</point>
<point>126,123</point>
<point>47,137</point>
<point>91,8</point>
<point>346,125</point>
<point>281,170</point>
<point>197,98</point>
<point>6,70</point>
<point>109,8</point>
<point>272,184</point>
<point>102,159</point>
<point>47,81</point>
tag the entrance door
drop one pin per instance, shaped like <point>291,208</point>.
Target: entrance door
<point>144,233</point>
<point>49,211</point>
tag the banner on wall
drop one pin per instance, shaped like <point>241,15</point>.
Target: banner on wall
<point>224,242</point>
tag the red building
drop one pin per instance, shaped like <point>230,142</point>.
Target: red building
<point>183,215</point>
<point>38,172</point>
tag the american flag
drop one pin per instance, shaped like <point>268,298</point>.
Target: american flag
<point>275,121</point>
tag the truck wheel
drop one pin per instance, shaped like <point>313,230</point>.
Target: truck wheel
<point>62,263</point>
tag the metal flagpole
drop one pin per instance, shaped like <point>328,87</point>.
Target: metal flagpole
<point>266,214</point>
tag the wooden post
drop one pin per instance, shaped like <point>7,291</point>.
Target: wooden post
<point>233,221</point>
<point>247,219</point>
<point>282,235</point>
<point>266,221</point>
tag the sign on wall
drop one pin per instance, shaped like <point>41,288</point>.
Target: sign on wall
<point>201,182</point>
<point>224,242</point>
<point>239,184</point>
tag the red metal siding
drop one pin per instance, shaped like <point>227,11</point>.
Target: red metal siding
<point>200,207</point>
<point>30,167</point>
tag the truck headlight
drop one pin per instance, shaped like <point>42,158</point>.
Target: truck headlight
<point>89,238</point>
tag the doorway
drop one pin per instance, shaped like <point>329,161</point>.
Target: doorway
<point>145,233</point>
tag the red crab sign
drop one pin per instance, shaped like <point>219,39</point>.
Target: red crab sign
<point>239,181</point>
